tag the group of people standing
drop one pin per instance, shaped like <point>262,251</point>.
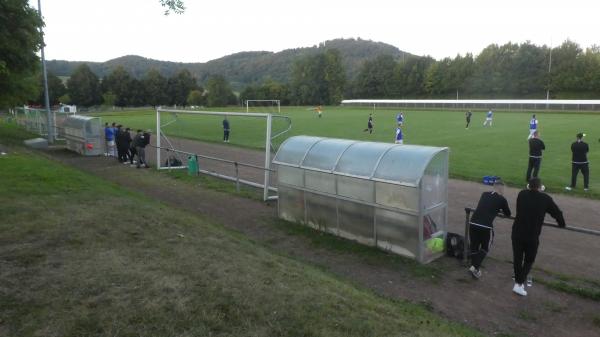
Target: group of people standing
<point>125,148</point>
<point>532,206</point>
<point>579,160</point>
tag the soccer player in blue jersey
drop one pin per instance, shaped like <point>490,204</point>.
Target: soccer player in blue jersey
<point>488,118</point>
<point>400,119</point>
<point>533,124</point>
<point>399,136</point>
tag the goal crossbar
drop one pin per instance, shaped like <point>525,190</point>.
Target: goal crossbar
<point>263,100</point>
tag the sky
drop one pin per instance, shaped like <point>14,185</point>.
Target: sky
<point>100,30</point>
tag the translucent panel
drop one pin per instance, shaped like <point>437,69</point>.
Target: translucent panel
<point>321,212</point>
<point>356,222</point>
<point>434,227</point>
<point>397,196</point>
<point>405,163</point>
<point>293,149</point>
<point>290,175</point>
<point>290,204</point>
<point>435,180</point>
<point>356,188</point>
<point>360,158</point>
<point>320,181</point>
<point>324,154</point>
<point>397,232</point>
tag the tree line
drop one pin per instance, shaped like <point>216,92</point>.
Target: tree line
<point>119,88</point>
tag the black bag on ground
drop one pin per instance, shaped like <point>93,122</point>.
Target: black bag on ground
<point>173,162</point>
<point>455,245</point>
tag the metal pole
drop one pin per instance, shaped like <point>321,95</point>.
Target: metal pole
<point>267,158</point>
<point>237,177</point>
<point>49,119</point>
<point>157,139</point>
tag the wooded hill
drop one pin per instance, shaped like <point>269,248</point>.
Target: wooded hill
<point>242,68</point>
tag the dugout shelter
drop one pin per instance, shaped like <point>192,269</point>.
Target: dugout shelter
<point>387,195</point>
<point>84,135</point>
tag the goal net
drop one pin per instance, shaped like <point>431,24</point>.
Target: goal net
<point>263,105</point>
<point>197,140</point>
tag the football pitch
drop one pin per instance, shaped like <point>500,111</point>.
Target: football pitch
<point>500,150</point>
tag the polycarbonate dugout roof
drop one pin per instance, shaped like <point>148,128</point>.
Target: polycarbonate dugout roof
<point>401,164</point>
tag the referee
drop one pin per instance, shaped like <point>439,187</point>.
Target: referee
<point>579,148</point>
<point>481,225</point>
<point>536,146</point>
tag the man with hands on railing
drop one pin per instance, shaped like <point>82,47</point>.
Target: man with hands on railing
<point>532,206</point>
<point>481,225</point>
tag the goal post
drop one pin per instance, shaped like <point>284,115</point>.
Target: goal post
<point>269,136</point>
<point>272,101</point>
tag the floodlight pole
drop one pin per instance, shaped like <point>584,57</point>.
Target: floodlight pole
<point>49,119</point>
<point>267,159</point>
<point>157,138</point>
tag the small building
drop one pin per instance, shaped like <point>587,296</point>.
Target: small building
<point>84,135</point>
<point>387,195</point>
<point>68,109</point>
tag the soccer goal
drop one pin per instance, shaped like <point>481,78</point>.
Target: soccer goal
<point>264,105</point>
<point>186,139</point>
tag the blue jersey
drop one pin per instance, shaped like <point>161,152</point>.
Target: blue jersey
<point>489,114</point>
<point>533,124</point>
<point>398,134</point>
<point>400,118</point>
<point>109,133</point>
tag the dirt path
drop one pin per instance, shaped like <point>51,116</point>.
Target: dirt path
<point>487,304</point>
<point>561,251</point>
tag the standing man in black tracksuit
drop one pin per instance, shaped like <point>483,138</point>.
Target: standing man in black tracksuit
<point>532,206</point>
<point>481,229</point>
<point>579,162</point>
<point>536,146</point>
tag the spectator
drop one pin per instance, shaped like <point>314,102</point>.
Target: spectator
<point>579,162</point>
<point>109,137</point>
<point>536,146</point>
<point>226,129</point>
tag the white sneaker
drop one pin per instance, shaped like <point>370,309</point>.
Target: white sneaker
<point>529,281</point>
<point>519,289</point>
<point>568,188</point>
<point>476,273</point>
<point>586,189</point>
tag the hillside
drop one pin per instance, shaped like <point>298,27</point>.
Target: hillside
<point>244,67</point>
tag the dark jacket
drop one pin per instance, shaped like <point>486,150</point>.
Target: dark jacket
<point>536,146</point>
<point>138,141</point>
<point>532,207</point>
<point>146,139</point>
<point>580,150</point>
<point>225,125</point>
<point>488,207</point>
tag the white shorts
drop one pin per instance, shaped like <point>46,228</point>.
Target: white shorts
<point>110,143</point>
<point>488,119</point>
<point>400,142</point>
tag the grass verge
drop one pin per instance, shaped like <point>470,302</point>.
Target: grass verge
<point>83,257</point>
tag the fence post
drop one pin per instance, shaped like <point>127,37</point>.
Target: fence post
<point>237,177</point>
<point>197,165</point>
<point>467,239</point>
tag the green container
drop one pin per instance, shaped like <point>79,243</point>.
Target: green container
<point>192,166</point>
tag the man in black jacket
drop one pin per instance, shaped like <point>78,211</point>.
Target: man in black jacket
<point>481,225</point>
<point>536,146</point>
<point>579,162</point>
<point>532,206</point>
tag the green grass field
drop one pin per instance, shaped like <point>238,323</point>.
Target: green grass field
<point>80,256</point>
<point>501,150</point>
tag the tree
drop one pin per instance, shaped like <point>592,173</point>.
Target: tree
<point>318,79</point>
<point>196,97</point>
<point>179,87</point>
<point>155,88</point>
<point>119,83</point>
<point>83,87</point>
<point>175,6</point>
<point>20,39</point>
<point>56,89</point>
<point>375,77</point>
<point>219,92</point>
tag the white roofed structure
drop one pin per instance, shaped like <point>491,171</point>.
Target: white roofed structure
<point>509,104</point>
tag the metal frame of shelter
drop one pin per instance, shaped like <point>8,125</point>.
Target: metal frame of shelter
<point>510,104</point>
<point>387,195</point>
<point>268,142</point>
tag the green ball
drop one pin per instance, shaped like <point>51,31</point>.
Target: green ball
<point>435,245</point>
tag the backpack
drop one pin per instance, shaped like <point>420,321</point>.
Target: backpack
<point>455,245</point>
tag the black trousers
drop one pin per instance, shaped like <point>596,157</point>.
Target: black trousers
<point>534,165</point>
<point>479,238</point>
<point>585,170</point>
<point>524,253</point>
<point>122,151</point>
<point>132,153</point>
<point>225,134</point>
<point>468,122</point>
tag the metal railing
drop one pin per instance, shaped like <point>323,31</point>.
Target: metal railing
<point>236,166</point>
<point>469,210</point>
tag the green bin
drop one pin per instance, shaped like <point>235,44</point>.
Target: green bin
<point>193,165</point>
